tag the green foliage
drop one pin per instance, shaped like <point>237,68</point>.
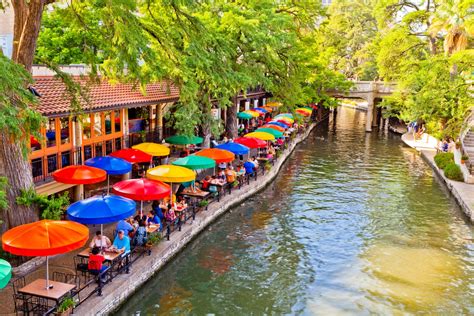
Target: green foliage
<point>66,304</point>
<point>3,193</point>
<point>50,207</point>
<point>203,203</point>
<point>18,115</point>
<point>443,159</point>
<point>153,239</point>
<point>453,172</point>
<point>465,157</point>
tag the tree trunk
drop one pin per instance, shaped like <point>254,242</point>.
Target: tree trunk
<point>231,124</point>
<point>18,172</point>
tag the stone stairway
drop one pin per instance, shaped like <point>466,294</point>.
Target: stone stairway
<point>468,143</point>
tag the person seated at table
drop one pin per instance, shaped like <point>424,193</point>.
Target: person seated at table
<point>240,170</point>
<point>100,241</point>
<point>249,167</point>
<point>280,142</point>
<point>125,226</point>
<point>181,202</point>
<point>168,201</point>
<point>230,174</point>
<point>222,165</point>
<point>95,264</point>
<point>141,234</point>
<point>271,152</point>
<point>121,243</point>
<point>170,215</point>
<point>205,183</point>
<point>255,162</point>
<point>158,209</point>
<point>151,218</point>
<point>221,176</point>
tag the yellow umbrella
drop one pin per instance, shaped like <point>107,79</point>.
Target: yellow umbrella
<point>253,113</point>
<point>153,149</point>
<point>274,104</point>
<point>261,135</point>
<point>171,174</point>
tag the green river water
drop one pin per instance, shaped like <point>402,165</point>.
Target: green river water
<point>355,223</point>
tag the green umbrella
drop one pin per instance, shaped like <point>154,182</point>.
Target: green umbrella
<point>284,115</point>
<point>272,131</point>
<point>5,273</point>
<point>244,116</point>
<point>183,140</point>
<point>194,162</point>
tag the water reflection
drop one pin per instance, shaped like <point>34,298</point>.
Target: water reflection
<point>355,223</point>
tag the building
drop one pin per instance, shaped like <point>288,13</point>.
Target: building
<point>6,31</point>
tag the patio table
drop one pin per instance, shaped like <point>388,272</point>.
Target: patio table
<point>56,293</point>
<point>108,255</point>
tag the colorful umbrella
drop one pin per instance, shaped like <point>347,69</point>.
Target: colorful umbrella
<point>111,165</point>
<point>244,116</point>
<point>153,149</point>
<point>79,175</point>
<point>237,149</point>
<point>194,162</point>
<point>141,190</point>
<point>272,131</point>
<point>5,273</point>
<point>251,142</point>
<point>261,110</point>
<point>288,124</point>
<point>283,125</point>
<point>260,135</point>
<point>274,104</point>
<point>289,115</point>
<point>304,111</point>
<point>171,174</point>
<point>269,109</point>
<point>101,209</point>
<point>253,113</point>
<point>219,155</point>
<point>45,238</point>
<point>275,127</point>
<point>132,155</point>
<point>183,140</point>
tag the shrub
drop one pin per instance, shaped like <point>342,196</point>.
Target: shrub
<point>453,171</point>
<point>465,157</point>
<point>51,207</point>
<point>442,159</point>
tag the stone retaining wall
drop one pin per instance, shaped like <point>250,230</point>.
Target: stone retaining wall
<point>124,285</point>
<point>462,192</point>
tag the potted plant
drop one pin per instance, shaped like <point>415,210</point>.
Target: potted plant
<point>152,240</point>
<point>203,203</point>
<point>464,158</point>
<point>458,145</point>
<point>66,306</point>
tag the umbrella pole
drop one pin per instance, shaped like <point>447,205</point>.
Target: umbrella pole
<point>141,209</point>
<point>101,236</point>
<point>47,274</point>
<point>108,184</point>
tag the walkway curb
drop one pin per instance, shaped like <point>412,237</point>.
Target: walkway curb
<point>125,285</point>
<point>463,193</point>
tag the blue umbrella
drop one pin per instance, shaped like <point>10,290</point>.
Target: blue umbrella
<point>101,209</point>
<point>235,148</point>
<point>112,165</point>
<point>278,124</point>
<point>260,110</point>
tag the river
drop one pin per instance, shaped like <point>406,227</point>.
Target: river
<point>355,223</point>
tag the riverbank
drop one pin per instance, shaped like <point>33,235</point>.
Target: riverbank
<point>125,285</point>
<point>462,192</point>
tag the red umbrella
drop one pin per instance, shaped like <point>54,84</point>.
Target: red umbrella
<point>284,122</point>
<point>251,142</point>
<point>142,190</point>
<point>79,175</point>
<point>132,155</point>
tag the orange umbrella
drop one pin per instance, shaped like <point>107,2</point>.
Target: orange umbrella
<point>219,155</point>
<point>45,238</point>
<point>275,127</point>
<point>79,175</point>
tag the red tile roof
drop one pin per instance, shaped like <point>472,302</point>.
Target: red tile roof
<point>54,100</point>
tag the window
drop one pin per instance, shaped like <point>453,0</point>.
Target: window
<point>108,122</point>
<point>118,143</point>
<point>109,147</point>
<point>97,125</point>
<point>64,123</point>
<point>86,127</point>
<point>52,163</point>
<point>66,159</point>
<point>37,168</point>
<point>87,152</point>
<point>118,121</point>
<point>98,150</point>
<point>51,133</point>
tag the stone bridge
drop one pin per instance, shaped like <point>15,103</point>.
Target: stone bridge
<point>372,92</point>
